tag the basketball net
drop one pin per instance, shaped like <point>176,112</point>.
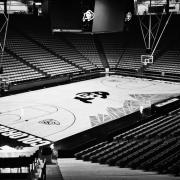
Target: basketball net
<point>147,59</point>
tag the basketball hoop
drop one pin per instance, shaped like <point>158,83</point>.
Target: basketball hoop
<point>146,59</point>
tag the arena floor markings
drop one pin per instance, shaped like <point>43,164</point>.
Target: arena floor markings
<point>58,112</point>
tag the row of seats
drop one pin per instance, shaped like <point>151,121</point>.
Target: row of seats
<point>113,48</point>
<point>152,146</point>
<point>131,58</point>
<point>158,127</point>
<point>16,71</point>
<point>125,53</point>
<point>61,48</point>
<point>85,44</point>
<point>168,62</point>
<point>37,56</point>
<point>79,55</point>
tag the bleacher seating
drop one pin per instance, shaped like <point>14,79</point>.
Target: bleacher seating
<point>131,58</point>
<point>17,71</point>
<point>153,146</point>
<point>85,44</point>
<point>147,147</point>
<point>61,48</point>
<point>37,57</point>
<point>168,63</point>
<point>113,48</point>
<point>43,54</point>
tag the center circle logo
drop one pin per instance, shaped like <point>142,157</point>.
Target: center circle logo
<point>50,122</point>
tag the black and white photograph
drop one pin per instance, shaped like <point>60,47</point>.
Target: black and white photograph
<point>89,90</point>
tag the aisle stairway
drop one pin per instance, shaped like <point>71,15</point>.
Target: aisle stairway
<point>72,169</point>
<point>53,172</point>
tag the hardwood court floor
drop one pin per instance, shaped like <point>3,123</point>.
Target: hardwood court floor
<point>58,112</point>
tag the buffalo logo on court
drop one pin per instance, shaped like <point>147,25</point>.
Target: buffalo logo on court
<point>49,122</point>
<point>87,97</point>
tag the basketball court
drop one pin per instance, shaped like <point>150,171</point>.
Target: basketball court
<point>59,112</point>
